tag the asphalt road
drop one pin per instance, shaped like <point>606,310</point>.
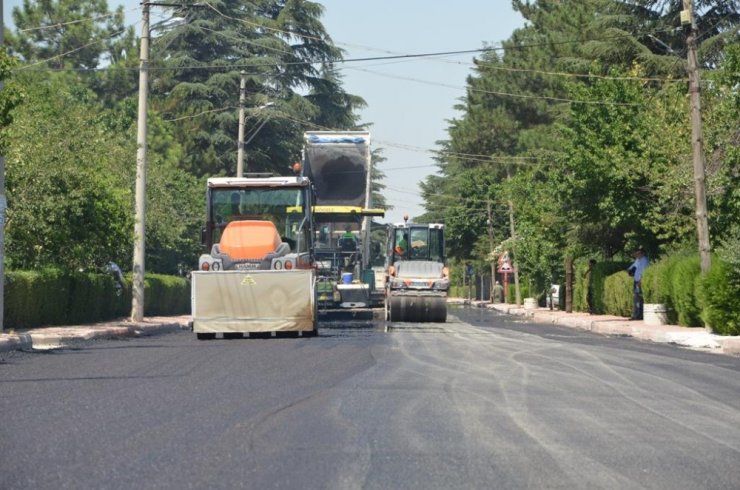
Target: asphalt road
<point>479,402</point>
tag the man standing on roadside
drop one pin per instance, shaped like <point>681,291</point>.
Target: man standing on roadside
<point>636,270</point>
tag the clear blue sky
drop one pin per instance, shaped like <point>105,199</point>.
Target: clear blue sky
<point>409,101</point>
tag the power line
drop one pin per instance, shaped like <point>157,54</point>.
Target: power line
<point>77,21</point>
<point>502,94</point>
<point>25,67</point>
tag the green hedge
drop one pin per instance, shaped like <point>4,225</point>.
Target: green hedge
<point>656,285</point>
<point>523,291</point>
<point>166,295</point>
<point>618,294</point>
<point>685,275</point>
<point>596,281</point>
<point>692,300</point>
<point>54,297</point>
<point>719,295</point>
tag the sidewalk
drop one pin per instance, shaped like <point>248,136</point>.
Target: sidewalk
<point>693,338</point>
<point>66,336</point>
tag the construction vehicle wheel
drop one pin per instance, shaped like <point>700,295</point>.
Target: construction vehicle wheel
<point>418,309</point>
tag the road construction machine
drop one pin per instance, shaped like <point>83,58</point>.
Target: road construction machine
<point>417,278</point>
<point>258,275</point>
<point>339,166</point>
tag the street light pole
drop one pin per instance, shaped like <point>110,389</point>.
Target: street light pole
<point>137,300</point>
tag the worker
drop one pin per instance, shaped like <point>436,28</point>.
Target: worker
<point>348,242</point>
<point>402,245</point>
<point>348,235</point>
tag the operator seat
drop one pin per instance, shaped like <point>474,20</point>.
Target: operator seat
<point>347,245</point>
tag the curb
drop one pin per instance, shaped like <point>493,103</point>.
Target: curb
<point>61,337</point>
<point>693,338</point>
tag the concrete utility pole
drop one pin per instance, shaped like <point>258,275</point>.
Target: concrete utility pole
<point>489,223</point>
<point>702,224</point>
<point>242,102</point>
<point>137,301</point>
<point>517,291</point>
<point>3,200</point>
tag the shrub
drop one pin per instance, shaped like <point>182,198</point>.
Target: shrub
<point>596,281</point>
<point>54,297</point>
<point>719,296</point>
<point>523,291</point>
<point>580,286</point>
<point>656,284</point>
<point>92,298</point>
<point>618,295</point>
<point>36,298</point>
<point>166,295</point>
<point>684,276</point>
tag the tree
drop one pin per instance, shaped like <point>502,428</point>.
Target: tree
<point>70,178</point>
<point>282,47</point>
<point>67,33</point>
<point>11,96</point>
<point>68,197</point>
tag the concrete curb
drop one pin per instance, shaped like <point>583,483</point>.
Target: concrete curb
<point>693,338</point>
<point>61,337</point>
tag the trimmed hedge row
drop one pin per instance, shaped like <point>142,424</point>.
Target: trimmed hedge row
<point>692,300</point>
<point>719,295</point>
<point>597,281</point>
<point>54,297</point>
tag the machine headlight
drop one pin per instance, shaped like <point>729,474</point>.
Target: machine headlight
<point>398,283</point>
<point>208,263</point>
<point>441,284</point>
<point>277,265</point>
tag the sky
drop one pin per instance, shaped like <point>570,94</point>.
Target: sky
<point>410,101</point>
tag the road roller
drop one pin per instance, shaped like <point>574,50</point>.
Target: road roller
<point>417,277</point>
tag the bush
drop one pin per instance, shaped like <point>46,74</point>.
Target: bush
<point>92,298</point>
<point>656,285</point>
<point>684,276</point>
<point>719,296</point>
<point>596,281</point>
<point>36,298</point>
<point>54,297</point>
<point>166,295</point>
<point>618,294</point>
<point>523,291</point>
<point>580,286</point>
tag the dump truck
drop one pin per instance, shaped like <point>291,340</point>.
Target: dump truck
<point>417,278</point>
<point>258,275</point>
<point>339,166</point>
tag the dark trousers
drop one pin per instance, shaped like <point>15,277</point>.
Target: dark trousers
<point>638,302</point>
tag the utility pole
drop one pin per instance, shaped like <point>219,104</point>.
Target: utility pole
<point>512,229</point>
<point>3,200</point>
<point>137,297</point>
<point>702,225</point>
<point>242,102</point>
<point>489,222</point>
<point>137,301</point>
